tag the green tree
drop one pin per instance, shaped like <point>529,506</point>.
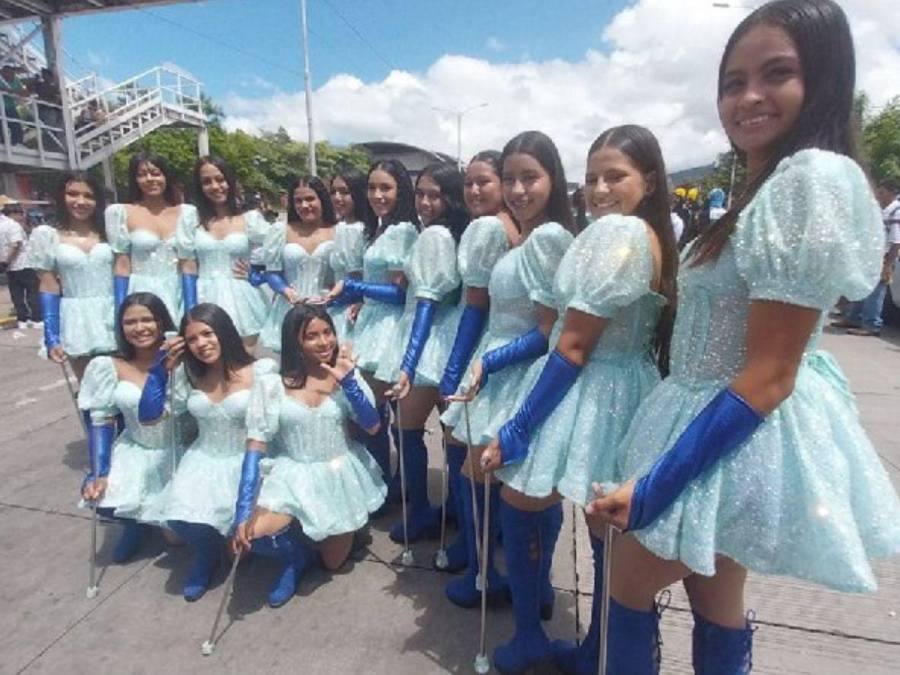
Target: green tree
<point>881,140</point>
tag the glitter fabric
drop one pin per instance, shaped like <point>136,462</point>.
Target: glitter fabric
<point>806,496</point>
<point>314,470</point>
<point>205,485</point>
<point>606,272</point>
<point>216,259</point>
<point>142,457</point>
<point>521,278</point>
<point>154,262</point>
<point>433,275</point>
<point>376,325</point>
<point>346,259</point>
<point>307,273</point>
<point>87,316</point>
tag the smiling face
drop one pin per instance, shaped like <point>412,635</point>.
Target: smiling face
<point>613,184</point>
<point>526,189</point>
<point>80,201</point>
<point>203,342</point>
<point>429,200</point>
<point>150,179</point>
<point>307,205</point>
<point>762,92</point>
<point>140,328</point>
<point>213,183</point>
<point>318,342</point>
<point>341,199</point>
<point>382,192</point>
<point>482,190</point>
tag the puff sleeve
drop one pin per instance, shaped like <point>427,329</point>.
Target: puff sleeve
<point>256,226</point>
<point>116,221</point>
<point>97,389</point>
<point>264,408</point>
<point>542,253</point>
<point>349,248</point>
<point>397,243</point>
<point>273,247</point>
<point>186,232</point>
<point>42,247</point>
<point>432,267</point>
<point>482,244</point>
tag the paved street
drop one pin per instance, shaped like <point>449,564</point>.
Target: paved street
<point>370,617</point>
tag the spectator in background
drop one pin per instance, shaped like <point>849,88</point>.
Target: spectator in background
<point>23,286</point>
<point>13,87</point>
<point>677,221</point>
<point>865,316</point>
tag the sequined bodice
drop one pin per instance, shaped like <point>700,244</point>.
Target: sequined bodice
<point>126,397</point>
<point>151,255</point>
<point>308,434</point>
<point>216,257</point>
<point>309,273</point>
<point>222,427</point>
<point>375,267</point>
<point>512,312</point>
<point>85,275</point>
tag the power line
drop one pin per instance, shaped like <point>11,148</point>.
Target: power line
<point>362,37</point>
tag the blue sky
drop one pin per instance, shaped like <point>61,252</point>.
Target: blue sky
<point>404,34</point>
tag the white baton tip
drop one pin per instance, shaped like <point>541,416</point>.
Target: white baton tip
<point>207,648</point>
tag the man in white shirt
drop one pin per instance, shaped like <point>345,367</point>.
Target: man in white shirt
<point>23,289</point>
<point>864,317</point>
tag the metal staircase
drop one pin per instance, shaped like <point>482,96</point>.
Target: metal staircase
<point>104,121</point>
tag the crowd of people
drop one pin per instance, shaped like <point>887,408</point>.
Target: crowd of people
<point>717,437</point>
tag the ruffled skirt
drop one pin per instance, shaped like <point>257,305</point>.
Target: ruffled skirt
<point>806,496</point>
<point>377,326</point>
<point>167,287</point>
<point>87,326</point>
<point>137,477</point>
<point>436,353</point>
<point>246,305</point>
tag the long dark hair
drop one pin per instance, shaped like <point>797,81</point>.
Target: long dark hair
<point>356,185</point>
<point>405,208</point>
<point>205,207</point>
<point>642,148</point>
<point>450,179</point>
<point>134,190</point>
<point>160,314</point>
<point>315,184</point>
<point>234,354</point>
<point>819,30</point>
<point>293,365</point>
<point>62,214</point>
<point>541,147</point>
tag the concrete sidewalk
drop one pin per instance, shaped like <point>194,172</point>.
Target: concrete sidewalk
<point>370,617</point>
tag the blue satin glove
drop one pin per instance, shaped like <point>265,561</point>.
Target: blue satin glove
<point>389,294</point>
<point>189,291</point>
<point>418,336</point>
<point>257,275</point>
<point>276,282</point>
<point>720,428</point>
<point>527,346</point>
<point>153,396</point>
<point>50,309</point>
<point>346,296</point>
<point>246,496</point>
<point>100,443</point>
<point>551,388</point>
<point>120,291</point>
<point>363,411</point>
<point>471,325</point>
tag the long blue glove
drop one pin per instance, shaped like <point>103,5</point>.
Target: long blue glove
<point>276,282</point>
<point>257,275</point>
<point>720,428</point>
<point>551,388</point>
<point>189,291</point>
<point>365,413</point>
<point>50,309</point>
<point>471,324</point>
<point>100,443</point>
<point>153,395</point>
<point>246,496</point>
<point>390,294</point>
<point>346,296</point>
<point>527,346</point>
<point>418,336</point>
<point>120,291</point>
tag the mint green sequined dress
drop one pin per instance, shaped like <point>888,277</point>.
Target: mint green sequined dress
<point>346,259</point>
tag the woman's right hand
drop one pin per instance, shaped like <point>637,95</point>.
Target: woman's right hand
<point>94,490</point>
<point>57,354</point>
<point>353,312</point>
<point>474,384</point>
<point>174,348</point>
<point>240,542</point>
<point>292,296</point>
<point>335,291</point>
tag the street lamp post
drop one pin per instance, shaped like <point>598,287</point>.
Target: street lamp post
<point>311,143</point>
<point>459,115</point>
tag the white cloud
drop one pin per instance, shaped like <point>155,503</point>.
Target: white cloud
<point>495,44</point>
<point>659,70</point>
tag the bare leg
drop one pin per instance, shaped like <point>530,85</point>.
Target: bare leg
<point>719,598</point>
<point>415,408</point>
<point>266,523</point>
<point>335,550</point>
<point>79,365</point>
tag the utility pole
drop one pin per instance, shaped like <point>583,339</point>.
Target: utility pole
<point>311,142</point>
<point>459,116</point>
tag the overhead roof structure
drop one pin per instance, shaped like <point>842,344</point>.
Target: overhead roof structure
<point>12,11</point>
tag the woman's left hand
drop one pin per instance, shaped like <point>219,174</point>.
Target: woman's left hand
<point>491,459</point>
<point>241,269</point>
<point>402,388</point>
<point>609,508</point>
<point>343,365</point>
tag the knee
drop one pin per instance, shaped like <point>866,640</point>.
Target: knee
<point>333,561</point>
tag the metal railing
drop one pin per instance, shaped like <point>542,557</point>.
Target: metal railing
<point>31,127</point>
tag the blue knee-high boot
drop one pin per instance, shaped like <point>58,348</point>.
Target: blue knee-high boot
<point>718,650</point>
<point>550,524</point>
<point>462,591</point>
<point>582,660</point>
<point>129,541</point>
<point>207,544</point>
<point>632,642</point>
<point>295,556</point>
<point>522,544</point>
<point>379,447</point>
<point>423,520</point>
<point>457,551</point>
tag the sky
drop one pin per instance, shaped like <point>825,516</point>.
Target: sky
<point>570,68</point>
